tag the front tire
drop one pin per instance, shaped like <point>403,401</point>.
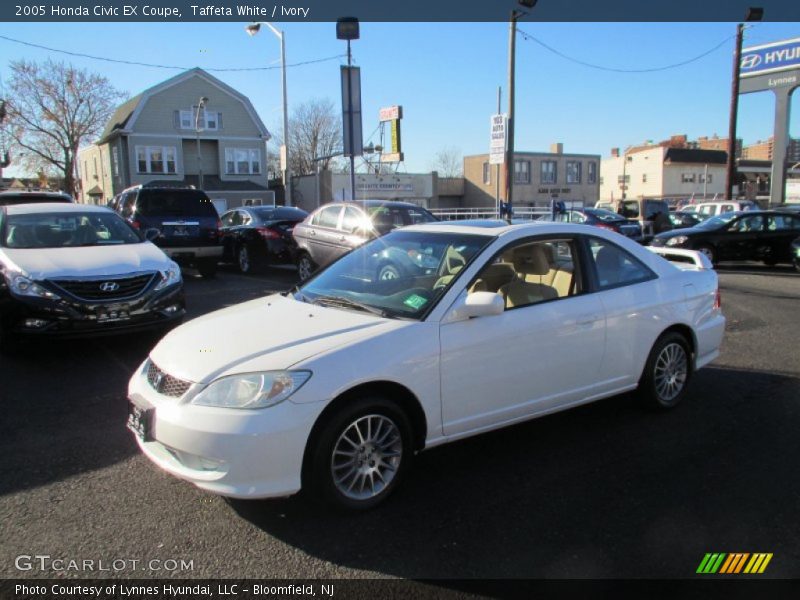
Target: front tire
<point>667,372</point>
<point>361,454</point>
<point>243,260</point>
<point>708,252</point>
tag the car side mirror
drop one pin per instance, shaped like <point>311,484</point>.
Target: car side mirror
<point>476,304</point>
<point>151,234</point>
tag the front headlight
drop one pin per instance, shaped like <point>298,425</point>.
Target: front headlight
<point>252,390</point>
<point>22,286</point>
<point>170,276</point>
<point>678,240</point>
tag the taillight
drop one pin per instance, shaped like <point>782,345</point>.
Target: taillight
<point>219,224</point>
<point>718,300</point>
<point>268,234</point>
<point>601,226</point>
<point>136,224</point>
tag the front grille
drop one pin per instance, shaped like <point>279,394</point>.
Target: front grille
<point>110,289</point>
<point>166,384</point>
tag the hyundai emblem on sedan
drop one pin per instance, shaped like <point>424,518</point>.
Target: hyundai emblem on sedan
<point>109,286</point>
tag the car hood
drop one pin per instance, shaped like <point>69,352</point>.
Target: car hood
<point>88,261</point>
<point>676,232</point>
<point>271,333</point>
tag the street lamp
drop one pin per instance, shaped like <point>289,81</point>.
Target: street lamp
<point>252,29</point>
<point>753,14</point>
<point>201,104</point>
<point>509,166</point>
<point>347,29</point>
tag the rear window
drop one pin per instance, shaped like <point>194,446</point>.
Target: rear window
<point>174,203</point>
<point>9,199</point>
<point>279,214</point>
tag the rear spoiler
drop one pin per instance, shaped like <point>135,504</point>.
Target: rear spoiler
<point>681,255</point>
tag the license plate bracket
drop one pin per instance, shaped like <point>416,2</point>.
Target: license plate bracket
<point>140,422</point>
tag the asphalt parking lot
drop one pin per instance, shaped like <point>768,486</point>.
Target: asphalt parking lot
<point>606,490</point>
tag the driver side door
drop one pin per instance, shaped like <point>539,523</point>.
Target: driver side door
<point>541,354</point>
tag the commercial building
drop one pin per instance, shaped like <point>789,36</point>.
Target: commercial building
<point>662,172</point>
<point>166,135</point>
<point>539,178</point>
<point>763,150</point>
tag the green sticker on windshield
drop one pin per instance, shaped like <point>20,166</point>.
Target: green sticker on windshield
<point>415,301</point>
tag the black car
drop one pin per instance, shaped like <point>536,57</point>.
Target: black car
<point>257,236</point>
<point>750,235</point>
<point>334,229</point>
<point>9,198</point>
<point>796,254</point>
<point>606,219</point>
<point>181,221</point>
<point>77,270</point>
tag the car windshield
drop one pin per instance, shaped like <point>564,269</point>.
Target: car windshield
<point>59,230</point>
<point>718,221</point>
<point>267,214</point>
<point>605,215</point>
<point>400,275</point>
<point>386,217</point>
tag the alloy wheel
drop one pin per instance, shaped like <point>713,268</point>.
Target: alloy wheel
<point>244,260</point>
<point>304,268</point>
<point>671,371</point>
<point>366,457</point>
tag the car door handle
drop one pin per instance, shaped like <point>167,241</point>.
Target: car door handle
<point>342,238</point>
<point>312,232</point>
<point>588,319</point>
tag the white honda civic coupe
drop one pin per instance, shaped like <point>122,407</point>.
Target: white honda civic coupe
<point>335,385</point>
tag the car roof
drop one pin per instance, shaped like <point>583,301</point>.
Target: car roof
<point>33,193</point>
<point>502,228</point>
<point>373,202</point>
<point>53,207</point>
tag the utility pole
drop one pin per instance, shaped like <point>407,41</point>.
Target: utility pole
<point>350,126</point>
<point>497,167</point>
<point>731,167</point>
<point>509,164</point>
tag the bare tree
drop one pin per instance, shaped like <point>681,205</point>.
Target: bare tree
<point>448,162</point>
<point>54,108</point>
<point>315,130</point>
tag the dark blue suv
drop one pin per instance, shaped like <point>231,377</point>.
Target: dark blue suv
<point>181,221</point>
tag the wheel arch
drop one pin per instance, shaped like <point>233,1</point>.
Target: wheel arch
<point>688,334</point>
<point>392,391</point>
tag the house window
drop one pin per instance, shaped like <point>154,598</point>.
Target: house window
<point>548,171</point>
<point>601,180</point>
<point>687,177</point>
<point>702,178</point>
<point>242,161</point>
<point>207,119</point>
<point>573,171</point>
<point>156,159</point>
<point>644,177</point>
<point>522,171</point>
<point>623,179</point>
<point>115,160</point>
<point>592,176</point>
<point>487,173</point>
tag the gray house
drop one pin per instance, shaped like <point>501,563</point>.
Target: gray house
<point>164,136</point>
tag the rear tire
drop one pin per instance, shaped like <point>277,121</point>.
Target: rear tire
<point>667,372</point>
<point>244,260</point>
<point>305,267</point>
<point>361,454</point>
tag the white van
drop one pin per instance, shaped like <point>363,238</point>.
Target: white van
<point>717,208</point>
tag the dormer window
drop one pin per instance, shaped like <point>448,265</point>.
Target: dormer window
<point>208,120</point>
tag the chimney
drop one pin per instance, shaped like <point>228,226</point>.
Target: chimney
<point>615,152</point>
<point>557,148</point>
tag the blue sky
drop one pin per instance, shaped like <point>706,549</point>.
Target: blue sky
<point>446,76</point>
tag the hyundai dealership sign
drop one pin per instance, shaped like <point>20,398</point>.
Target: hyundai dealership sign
<point>769,58</point>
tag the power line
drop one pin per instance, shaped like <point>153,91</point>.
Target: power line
<point>157,66</point>
<point>529,37</point>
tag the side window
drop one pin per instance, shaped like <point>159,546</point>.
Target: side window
<point>779,222</point>
<point>616,267</point>
<point>327,217</point>
<point>246,219</point>
<point>127,204</point>
<point>747,224</point>
<point>531,272</point>
<point>227,218</point>
<point>352,220</point>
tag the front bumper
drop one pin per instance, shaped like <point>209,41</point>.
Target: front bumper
<point>69,317</point>
<point>231,452</point>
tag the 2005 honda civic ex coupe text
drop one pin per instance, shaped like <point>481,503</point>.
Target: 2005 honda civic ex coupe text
<point>335,385</point>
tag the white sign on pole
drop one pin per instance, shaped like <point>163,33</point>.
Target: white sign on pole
<point>497,140</point>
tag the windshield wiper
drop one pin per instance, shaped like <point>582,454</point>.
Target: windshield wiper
<point>348,303</point>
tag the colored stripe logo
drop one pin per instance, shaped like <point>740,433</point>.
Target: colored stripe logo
<point>734,563</point>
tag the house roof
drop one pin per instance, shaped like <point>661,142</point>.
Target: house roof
<point>120,117</point>
<point>695,155</point>
<point>125,115</point>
